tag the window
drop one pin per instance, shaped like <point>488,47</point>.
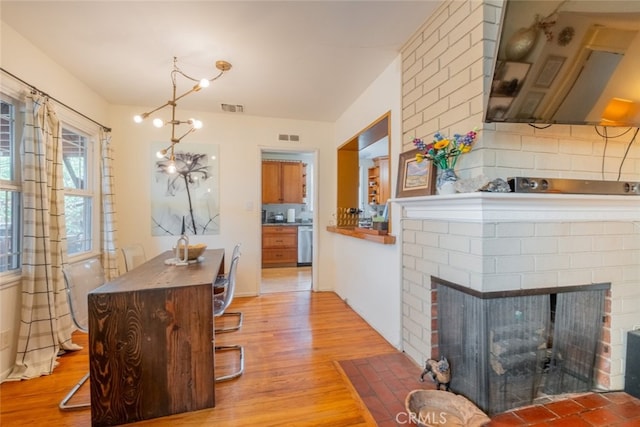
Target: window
<point>10,191</point>
<point>79,191</point>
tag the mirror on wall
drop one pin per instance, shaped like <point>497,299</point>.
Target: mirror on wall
<point>363,174</point>
<point>567,62</point>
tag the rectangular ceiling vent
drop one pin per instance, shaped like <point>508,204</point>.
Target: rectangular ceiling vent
<point>230,108</point>
<point>285,137</point>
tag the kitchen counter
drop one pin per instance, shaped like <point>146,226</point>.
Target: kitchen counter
<point>287,223</point>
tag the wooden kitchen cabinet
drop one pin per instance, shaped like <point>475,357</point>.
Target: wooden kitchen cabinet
<point>279,246</point>
<point>282,181</point>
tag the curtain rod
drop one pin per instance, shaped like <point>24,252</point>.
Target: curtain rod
<point>32,87</point>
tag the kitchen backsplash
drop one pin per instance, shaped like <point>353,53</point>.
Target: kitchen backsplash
<point>302,214</point>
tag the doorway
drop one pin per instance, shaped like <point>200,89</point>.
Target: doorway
<point>295,218</point>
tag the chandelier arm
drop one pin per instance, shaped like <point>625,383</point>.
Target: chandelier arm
<point>217,77</point>
<point>185,134</point>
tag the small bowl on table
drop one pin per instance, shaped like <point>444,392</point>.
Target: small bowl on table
<point>193,251</point>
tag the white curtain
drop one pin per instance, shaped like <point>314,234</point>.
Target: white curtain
<point>109,246</point>
<point>46,324</point>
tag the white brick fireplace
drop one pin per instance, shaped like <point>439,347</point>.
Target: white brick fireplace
<point>491,242</point>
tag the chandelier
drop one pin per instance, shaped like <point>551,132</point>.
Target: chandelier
<point>194,124</point>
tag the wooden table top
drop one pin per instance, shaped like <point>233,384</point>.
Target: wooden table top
<point>155,274</point>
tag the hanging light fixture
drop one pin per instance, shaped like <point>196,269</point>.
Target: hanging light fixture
<point>193,123</point>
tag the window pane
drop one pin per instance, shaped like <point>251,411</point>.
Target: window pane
<point>6,140</point>
<point>78,222</point>
<point>9,230</point>
<point>74,153</point>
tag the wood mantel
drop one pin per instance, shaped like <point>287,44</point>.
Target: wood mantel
<point>359,233</point>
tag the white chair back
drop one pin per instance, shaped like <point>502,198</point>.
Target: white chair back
<point>81,278</point>
<point>133,256</point>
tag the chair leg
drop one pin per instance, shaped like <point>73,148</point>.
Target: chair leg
<point>64,406</point>
<point>231,328</point>
<point>237,373</point>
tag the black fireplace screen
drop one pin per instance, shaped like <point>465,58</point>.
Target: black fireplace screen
<point>506,351</point>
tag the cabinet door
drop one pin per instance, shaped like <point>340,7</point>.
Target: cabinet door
<point>384,186</point>
<point>271,182</point>
<point>291,182</point>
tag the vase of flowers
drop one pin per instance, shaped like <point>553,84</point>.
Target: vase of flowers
<point>443,152</point>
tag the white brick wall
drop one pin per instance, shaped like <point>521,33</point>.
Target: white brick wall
<point>445,74</point>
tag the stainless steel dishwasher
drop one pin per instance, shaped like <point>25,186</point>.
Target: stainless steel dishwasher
<point>305,242</point>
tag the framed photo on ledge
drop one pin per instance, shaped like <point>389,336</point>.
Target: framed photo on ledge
<point>415,178</point>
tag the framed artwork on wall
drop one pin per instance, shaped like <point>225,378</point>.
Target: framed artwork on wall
<point>415,178</point>
<point>549,71</point>
<point>187,198</point>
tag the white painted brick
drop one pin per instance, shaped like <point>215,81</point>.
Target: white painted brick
<point>625,228</point>
<point>540,280</point>
<point>513,264</point>
<point>569,147</point>
<point>502,246</point>
<point>552,262</point>
<point>427,266</point>
<point>408,236</point>
<point>515,229</point>
<point>607,243</point>
<point>441,227</point>
<point>574,277</point>
<point>436,255</point>
<point>539,145</point>
<point>553,229</point>
<point>606,274</point>
<point>467,229</point>
<point>587,228</point>
<point>631,274</point>
<point>454,275</point>
<point>454,243</point>
<point>427,239</point>
<point>466,262</point>
<point>412,224</point>
<point>540,245</point>
<point>515,159</point>
<point>551,162</point>
<point>585,163</point>
<point>409,262</point>
<point>411,275</point>
<point>412,249</point>
<point>575,244</point>
<point>501,282</point>
<point>586,260</point>
<point>631,242</point>
<point>619,258</point>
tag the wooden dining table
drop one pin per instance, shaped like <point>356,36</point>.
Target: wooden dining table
<point>151,338</point>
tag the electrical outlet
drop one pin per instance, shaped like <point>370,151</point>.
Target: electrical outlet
<point>5,339</point>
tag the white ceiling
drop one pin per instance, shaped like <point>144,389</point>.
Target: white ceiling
<point>305,60</point>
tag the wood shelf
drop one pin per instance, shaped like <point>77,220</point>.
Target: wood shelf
<point>359,233</point>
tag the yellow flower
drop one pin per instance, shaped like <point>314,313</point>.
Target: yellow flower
<point>441,144</point>
<point>465,149</point>
<point>419,157</point>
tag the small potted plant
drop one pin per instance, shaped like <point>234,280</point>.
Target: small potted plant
<point>380,223</point>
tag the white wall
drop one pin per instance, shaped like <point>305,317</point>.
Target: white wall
<point>22,59</point>
<point>367,274</point>
<point>240,139</point>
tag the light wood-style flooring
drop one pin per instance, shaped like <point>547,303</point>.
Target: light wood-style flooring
<point>292,343</point>
<point>285,279</point>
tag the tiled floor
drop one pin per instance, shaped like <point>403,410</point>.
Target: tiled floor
<point>382,382</point>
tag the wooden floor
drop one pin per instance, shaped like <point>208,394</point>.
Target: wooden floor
<point>285,279</point>
<point>292,343</point>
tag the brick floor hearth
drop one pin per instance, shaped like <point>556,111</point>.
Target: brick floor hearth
<point>382,382</point>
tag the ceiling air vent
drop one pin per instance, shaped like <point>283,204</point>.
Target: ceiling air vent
<point>230,108</point>
<point>285,137</point>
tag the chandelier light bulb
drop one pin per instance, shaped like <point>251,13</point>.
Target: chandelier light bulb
<point>138,118</point>
<point>197,124</point>
<point>160,154</point>
<point>171,168</point>
<point>158,123</point>
<point>204,83</point>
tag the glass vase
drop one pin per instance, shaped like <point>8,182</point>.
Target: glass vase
<point>446,181</point>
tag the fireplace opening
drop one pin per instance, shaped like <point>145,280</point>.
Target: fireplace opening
<point>508,348</point>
